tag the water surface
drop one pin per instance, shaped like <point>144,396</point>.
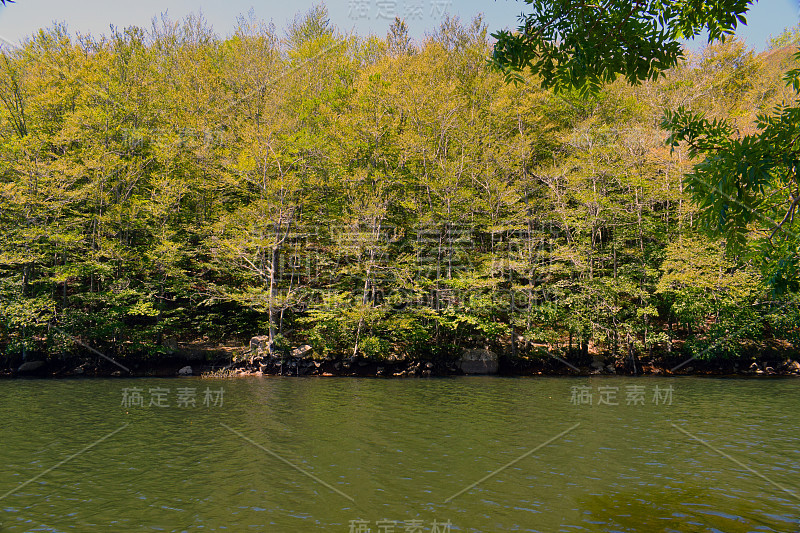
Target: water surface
<point>322,454</point>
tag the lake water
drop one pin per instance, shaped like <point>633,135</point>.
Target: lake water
<point>418,455</point>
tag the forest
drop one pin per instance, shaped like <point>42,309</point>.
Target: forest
<point>370,196</point>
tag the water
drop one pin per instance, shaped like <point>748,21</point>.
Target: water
<point>296,450</point>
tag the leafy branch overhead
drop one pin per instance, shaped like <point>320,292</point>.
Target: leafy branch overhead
<point>582,44</point>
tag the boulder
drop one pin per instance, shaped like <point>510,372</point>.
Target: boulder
<point>302,351</point>
<point>478,362</point>
<point>29,367</point>
<point>598,363</point>
<point>259,345</point>
<point>185,371</point>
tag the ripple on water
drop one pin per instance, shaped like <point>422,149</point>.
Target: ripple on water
<point>401,449</point>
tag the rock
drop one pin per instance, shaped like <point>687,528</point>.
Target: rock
<point>379,370</point>
<point>478,362</point>
<point>769,370</point>
<point>428,365</point>
<point>30,366</point>
<point>259,345</point>
<point>302,351</point>
<point>185,371</point>
<point>337,365</point>
<point>326,374</point>
<point>362,363</point>
<point>612,369</point>
<point>116,374</point>
<point>316,364</point>
<point>78,371</point>
<point>754,367</point>
<point>793,366</point>
<point>598,363</point>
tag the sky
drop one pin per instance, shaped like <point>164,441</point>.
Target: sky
<point>23,18</point>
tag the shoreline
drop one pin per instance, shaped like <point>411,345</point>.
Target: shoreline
<point>303,366</point>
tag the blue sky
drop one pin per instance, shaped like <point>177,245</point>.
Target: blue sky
<point>767,17</point>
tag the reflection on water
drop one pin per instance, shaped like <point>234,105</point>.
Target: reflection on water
<point>283,454</point>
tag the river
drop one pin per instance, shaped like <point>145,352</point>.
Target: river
<point>605,454</point>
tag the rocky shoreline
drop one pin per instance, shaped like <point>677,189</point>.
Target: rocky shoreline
<point>256,361</point>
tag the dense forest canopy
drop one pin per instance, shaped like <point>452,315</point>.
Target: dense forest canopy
<point>369,196</point>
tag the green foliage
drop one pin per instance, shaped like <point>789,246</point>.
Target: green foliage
<point>743,181</point>
<point>382,198</point>
<point>747,182</point>
<point>699,282</point>
<point>575,44</point>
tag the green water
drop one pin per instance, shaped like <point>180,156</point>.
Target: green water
<point>296,451</point>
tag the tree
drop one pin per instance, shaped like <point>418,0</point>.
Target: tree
<point>580,44</point>
<point>398,40</point>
